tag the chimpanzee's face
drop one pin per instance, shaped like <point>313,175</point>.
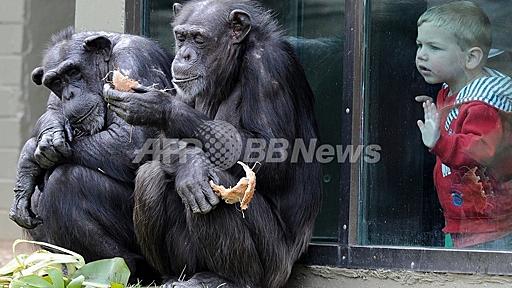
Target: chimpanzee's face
<point>193,43</point>
<point>207,51</point>
<point>75,74</point>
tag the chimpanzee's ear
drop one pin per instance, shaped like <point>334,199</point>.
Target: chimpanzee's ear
<point>99,44</point>
<point>37,75</point>
<point>240,24</point>
<point>176,8</point>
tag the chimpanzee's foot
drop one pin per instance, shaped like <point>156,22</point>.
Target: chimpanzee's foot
<point>201,280</point>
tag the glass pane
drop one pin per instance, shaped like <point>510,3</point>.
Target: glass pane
<point>316,30</point>
<point>399,201</point>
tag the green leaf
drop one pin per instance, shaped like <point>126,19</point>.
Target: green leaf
<point>56,277</point>
<point>30,281</point>
<point>105,272</point>
<point>77,282</point>
<point>12,266</point>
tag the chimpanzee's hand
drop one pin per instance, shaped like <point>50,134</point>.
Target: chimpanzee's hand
<point>22,214</point>
<point>147,106</point>
<point>192,184</point>
<point>52,145</point>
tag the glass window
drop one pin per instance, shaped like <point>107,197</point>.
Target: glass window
<point>399,202</point>
<point>315,28</point>
<point>393,201</point>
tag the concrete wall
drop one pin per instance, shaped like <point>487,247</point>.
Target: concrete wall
<point>25,27</point>
<point>111,16</point>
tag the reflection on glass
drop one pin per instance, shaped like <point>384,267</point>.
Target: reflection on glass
<point>468,131</point>
<point>315,29</point>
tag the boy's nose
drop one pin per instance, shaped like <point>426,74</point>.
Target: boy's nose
<point>421,55</point>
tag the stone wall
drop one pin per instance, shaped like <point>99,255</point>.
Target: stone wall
<point>25,27</point>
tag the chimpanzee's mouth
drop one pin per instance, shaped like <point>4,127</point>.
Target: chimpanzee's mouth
<point>183,80</point>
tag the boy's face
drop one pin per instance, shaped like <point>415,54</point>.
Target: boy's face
<point>439,58</point>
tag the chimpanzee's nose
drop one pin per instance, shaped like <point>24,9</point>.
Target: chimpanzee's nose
<point>187,54</point>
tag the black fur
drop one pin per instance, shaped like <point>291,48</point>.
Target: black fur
<point>259,87</point>
<point>84,198</point>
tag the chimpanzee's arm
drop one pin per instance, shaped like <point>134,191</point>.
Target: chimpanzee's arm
<point>53,134</point>
<point>112,150</point>
<point>27,175</point>
<point>177,119</point>
<point>47,146</point>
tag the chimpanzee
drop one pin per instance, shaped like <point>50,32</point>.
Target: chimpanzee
<point>232,65</point>
<point>80,157</point>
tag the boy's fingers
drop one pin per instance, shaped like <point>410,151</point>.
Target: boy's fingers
<point>420,124</point>
<point>426,109</point>
<point>431,107</point>
<point>423,98</point>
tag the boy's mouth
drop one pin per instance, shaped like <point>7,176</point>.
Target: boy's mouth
<point>423,68</point>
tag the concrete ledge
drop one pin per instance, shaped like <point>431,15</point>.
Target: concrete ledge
<point>327,277</point>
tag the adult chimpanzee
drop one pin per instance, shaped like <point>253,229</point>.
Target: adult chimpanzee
<point>85,175</point>
<point>232,65</point>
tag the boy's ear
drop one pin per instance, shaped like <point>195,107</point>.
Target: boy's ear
<point>474,58</point>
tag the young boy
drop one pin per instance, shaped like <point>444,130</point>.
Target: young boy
<point>468,131</point>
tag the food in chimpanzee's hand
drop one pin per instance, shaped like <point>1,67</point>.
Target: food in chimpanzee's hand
<point>123,83</point>
<point>243,190</point>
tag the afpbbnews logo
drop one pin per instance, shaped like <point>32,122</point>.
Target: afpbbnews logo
<point>223,146</point>
<point>226,154</point>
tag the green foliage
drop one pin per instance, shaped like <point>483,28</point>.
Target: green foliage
<point>43,269</point>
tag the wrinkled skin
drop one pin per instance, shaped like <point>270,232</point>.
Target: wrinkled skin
<point>76,174</point>
<point>232,65</point>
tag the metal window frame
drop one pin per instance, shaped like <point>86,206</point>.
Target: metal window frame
<point>346,253</point>
<point>134,16</point>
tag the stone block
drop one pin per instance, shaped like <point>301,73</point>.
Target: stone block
<point>10,99</point>
<point>12,38</point>
<point>6,193</point>
<point>8,164</point>
<point>11,134</point>
<point>11,70</point>
<point>10,231</point>
<point>12,11</point>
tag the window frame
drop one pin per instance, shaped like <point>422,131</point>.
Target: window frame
<point>134,17</point>
<point>346,253</point>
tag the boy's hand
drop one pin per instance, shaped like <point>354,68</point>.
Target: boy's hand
<point>430,130</point>
<point>423,98</point>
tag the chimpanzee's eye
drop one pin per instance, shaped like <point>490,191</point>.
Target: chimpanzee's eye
<point>73,72</point>
<point>56,83</point>
<point>199,39</point>
<point>180,37</point>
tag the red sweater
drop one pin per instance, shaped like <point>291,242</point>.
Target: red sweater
<point>473,171</point>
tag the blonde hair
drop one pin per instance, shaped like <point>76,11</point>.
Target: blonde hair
<point>465,20</point>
